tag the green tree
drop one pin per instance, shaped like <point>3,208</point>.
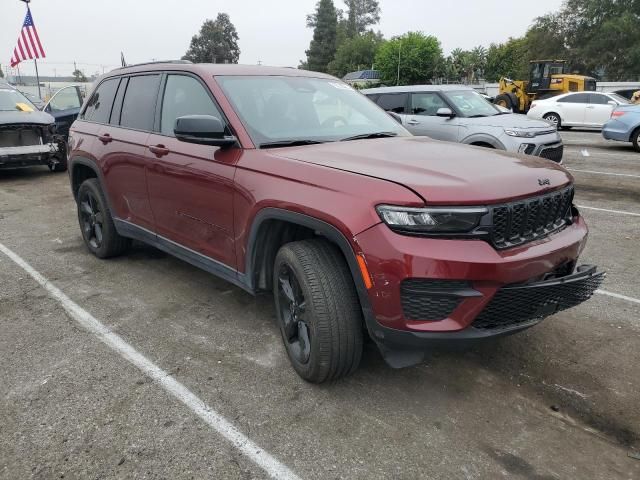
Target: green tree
<point>323,46</point>
<point>79,76</point>
<point>360,15</point>
<point>507,59</point>
<point>417,57</point>
<point>217,42</point>
<point>357,53</point>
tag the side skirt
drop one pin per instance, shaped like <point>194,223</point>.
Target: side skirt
<point>129,230</point>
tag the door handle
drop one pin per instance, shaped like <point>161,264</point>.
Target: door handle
<point>106,138</point>
<point>159,150</point>
<point>413,122</point>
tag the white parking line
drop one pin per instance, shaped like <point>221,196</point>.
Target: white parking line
<point>621,212</point>
<point>603,173</point>
<point>617,295</point>
<point>262,458</point>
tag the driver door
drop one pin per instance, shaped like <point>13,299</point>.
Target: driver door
<point>64,106</point>
<point>423,119</point>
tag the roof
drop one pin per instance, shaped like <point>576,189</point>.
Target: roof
<point>362,75</point>
<point>417,88</point>
<point>218,69</point>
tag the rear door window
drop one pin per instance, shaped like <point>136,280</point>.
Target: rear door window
<point>139,106</point>
<point>576,98</point>
<point>393,102</point>
<point>99,106</point>
<point>184,95</point>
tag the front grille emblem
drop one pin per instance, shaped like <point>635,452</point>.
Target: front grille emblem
<point>544,181</point>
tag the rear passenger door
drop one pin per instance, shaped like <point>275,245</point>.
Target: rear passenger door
<point>394,102</point>
<point>121,143</point>
<point>191,185</point>
<point>573,108</point>
<point>598,110</point>
<point>64,106</point>
<point>423,119</point>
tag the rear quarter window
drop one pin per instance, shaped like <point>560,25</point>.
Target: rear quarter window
<point>139,106</point>
<point>98,108</point>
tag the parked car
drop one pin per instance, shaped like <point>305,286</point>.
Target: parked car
<point>27,135</point>
<point>456,113</point>
<point>624,125</point>
<point>64,106</point>
<point>627,92</point>
<point>581,109</point>
<point>289,181</point>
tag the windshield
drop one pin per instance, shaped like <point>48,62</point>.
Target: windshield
<point>286,109</point>
<point>9,100</point>
<point>619,98</point>
<point>470,103</point>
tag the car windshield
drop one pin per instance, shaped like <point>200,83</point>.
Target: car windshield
<point>10,100</point>
<point>619,98</point>
<point>277,110</point>
<point>471,104</point>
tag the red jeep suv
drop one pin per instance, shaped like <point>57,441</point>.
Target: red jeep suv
<point>291,181</point>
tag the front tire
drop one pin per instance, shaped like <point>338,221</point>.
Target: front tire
<point>554,119</point>
<point>318,310</point>
<point>98,231</point>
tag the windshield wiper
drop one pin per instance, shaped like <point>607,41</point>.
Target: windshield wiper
<point>289,143</point>
<point>476,116</point>
<point>370,135</point>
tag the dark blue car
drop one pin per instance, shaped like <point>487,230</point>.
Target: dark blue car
<point>624,125</point>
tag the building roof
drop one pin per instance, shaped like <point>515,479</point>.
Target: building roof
<point>362,75</point>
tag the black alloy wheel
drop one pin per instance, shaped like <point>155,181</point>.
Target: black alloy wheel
<point>293,315</point>
<point>92,219</point>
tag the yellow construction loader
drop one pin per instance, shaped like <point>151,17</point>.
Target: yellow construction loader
<point>546,79</point>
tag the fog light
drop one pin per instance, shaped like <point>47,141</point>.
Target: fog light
<point>526,148</point>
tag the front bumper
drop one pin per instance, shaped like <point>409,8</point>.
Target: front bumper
<point>428,292</point>
<point>29,155</point>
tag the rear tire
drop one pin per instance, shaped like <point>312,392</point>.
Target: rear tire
<point>554,119</point>
<point>318,310</point>
<point>635,139</point>
<point>96,224</point>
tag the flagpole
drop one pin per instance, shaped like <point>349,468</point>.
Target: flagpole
<point>35,62</point>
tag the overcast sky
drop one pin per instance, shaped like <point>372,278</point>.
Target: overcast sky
<point>94,32</point>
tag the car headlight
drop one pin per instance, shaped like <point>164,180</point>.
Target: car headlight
<point>519,133</point>
<point>431,220</point>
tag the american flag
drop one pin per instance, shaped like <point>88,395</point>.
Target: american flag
<point>29,46</point>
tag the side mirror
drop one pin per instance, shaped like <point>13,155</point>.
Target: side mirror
<point>611,102</point>
<point>445,112</point>
<point>203,130</point>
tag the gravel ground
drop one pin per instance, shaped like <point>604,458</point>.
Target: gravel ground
<point>559,401</point>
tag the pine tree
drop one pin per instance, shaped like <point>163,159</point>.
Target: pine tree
<point>323,46</point>
<point>360,15</point>
<point>217,42</point>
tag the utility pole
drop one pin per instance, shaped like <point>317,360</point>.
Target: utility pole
<point>399,52</point>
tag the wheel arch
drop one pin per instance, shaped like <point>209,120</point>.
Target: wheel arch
<point>479,139</point>
<point>274,227</point>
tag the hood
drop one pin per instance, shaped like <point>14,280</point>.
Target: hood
<point>440,172</point>
<point>508,120</point>
<point>36,117</point>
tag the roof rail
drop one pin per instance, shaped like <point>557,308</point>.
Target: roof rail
<point>156,62</point>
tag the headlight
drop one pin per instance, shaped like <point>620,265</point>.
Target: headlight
<point>519,133</point>
<point>431,220</point>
